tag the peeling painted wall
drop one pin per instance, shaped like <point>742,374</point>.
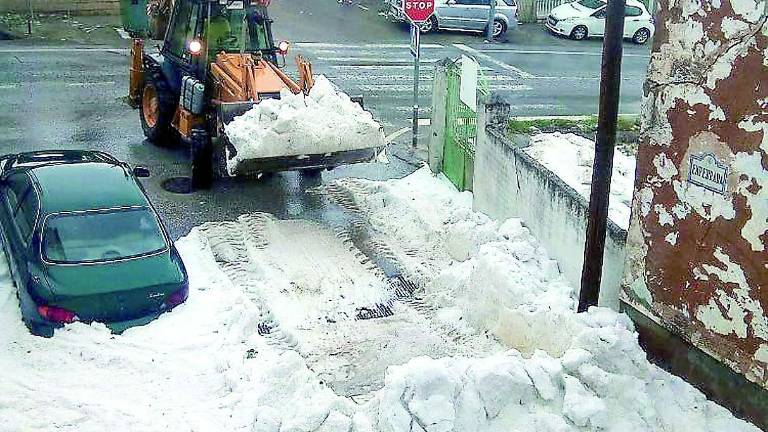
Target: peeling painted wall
<point>697,260</point>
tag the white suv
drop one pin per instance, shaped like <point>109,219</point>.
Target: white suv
<point>586,18</point>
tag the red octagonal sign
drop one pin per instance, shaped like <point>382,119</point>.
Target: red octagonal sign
<point>418,10</point>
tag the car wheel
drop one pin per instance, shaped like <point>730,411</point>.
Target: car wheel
<point>579,33</point>
<point>499,28</point>
<point>429,25</point>
<point>156,110</point>
<point>40,330</point>
<point>641,36</point>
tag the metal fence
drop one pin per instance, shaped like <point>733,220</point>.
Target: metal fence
<point>460,130</point>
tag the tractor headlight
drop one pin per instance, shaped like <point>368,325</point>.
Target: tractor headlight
<point>195,47</point>
<point>283,47</point>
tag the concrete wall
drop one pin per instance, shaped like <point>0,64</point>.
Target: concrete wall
<point>509,183</point>
<point>697,249</point>
<point>72,6</point>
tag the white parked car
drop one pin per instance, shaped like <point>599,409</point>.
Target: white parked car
<point>464,15</point>
<point>586,18</point>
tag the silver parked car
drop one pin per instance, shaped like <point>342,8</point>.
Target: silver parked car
<point>464,15</point>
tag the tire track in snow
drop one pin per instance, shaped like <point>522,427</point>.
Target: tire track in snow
<point>310,284</point>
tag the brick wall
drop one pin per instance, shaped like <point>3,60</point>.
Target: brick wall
<point>73,6</point>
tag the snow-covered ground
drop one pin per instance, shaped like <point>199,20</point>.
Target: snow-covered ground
<point>295,125</point>
<point>571,157</point>
<point>270,339</point>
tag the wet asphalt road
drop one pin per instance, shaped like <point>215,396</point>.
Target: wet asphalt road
<point>56,97</point>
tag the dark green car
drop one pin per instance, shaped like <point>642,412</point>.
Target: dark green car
<point>84,243</point>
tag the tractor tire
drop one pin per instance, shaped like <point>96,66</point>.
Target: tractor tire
<point>579,33</point>
<point>313,172</point>
<point>156,110</point>
<point>202,160</point>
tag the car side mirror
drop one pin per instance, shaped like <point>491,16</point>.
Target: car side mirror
<point>141,172</point>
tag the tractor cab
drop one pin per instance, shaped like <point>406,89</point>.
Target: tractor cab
<point>199,30</point>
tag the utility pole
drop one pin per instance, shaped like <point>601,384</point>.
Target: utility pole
<point>30,18</point>
<point>610,84</point>
<point>491,16</point>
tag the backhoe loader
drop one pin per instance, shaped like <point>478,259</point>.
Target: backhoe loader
<point>217,60</point>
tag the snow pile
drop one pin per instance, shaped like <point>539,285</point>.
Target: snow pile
<point>601,382</point>
<point>571,158</point>
<point>202,367</point>
<point>295,125</point>
<point>565,372</point>
<point>253,347</point>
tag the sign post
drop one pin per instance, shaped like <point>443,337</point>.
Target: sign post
<point>491,19</point>
<point>416,51</point>
<point>417,12</point>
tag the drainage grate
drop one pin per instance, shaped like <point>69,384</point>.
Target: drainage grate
<point>377,311</point>
<point>402,289</point>
<point>264,329</point>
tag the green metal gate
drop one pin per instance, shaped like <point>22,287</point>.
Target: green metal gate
<point>460,130</point>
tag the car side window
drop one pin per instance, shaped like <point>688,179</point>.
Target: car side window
<point>17,184</point>
<point>19,188</point>
<point>632,11</point>
<point>26,217</point>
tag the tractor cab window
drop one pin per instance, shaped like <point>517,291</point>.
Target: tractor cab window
<point>235,30</point>
<point>183,31</point>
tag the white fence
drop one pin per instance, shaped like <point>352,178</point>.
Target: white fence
<point>543,7</point>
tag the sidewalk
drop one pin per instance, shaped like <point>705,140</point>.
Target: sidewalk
<point>60,28</point>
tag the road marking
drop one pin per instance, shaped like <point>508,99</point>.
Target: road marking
<point>373,60</point>
<point>8,86</point>
<point>61,50</point>
<point>499,63</point>
<point>123,34</point>
<point>358,46</point>
<point>545,52</point>
<point>392,137</point>
<point>428,66</point>
<point>422,121</point>
<point>89,84</point>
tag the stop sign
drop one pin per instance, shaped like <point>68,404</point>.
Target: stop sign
<point>418,10</point>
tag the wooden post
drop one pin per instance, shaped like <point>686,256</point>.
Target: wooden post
<point>610,84</point>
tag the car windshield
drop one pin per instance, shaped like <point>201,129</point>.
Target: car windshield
<point>101,236</point>
<point>592,4</point>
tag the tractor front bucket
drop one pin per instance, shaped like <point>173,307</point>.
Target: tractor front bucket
<point>254,167</point>
<point>229,110</point>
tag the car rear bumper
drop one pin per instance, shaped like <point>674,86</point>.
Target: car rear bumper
<point>41,326</point>
<point>120,327</point>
